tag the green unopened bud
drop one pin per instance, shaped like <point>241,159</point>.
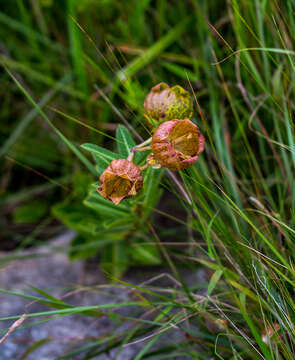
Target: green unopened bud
<point>164,103</point>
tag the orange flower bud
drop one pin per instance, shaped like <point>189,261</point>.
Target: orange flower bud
<point>164,103</point>
<point>176,144</point>
<point>120,180</point>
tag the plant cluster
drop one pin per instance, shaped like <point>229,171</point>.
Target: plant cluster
<point>119,230</point>
<point>176,143</point>
<point>240,220</point>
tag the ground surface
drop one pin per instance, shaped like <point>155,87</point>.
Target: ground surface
<point>57,276</point>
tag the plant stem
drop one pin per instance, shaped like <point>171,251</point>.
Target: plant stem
<point>140,147</point>
<point>180,186</point>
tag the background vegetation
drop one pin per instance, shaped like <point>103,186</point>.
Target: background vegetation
<point>73,70</point>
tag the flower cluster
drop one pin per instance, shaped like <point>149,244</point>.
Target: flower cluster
<point>176,142</point>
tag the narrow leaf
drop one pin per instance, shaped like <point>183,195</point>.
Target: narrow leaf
<point>125,140</point>
<point>102,156</point>
<point>213,281</point>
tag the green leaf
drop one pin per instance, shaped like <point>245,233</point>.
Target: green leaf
<point>145,254</point>
<point>86,310</point>
<point>134,94</point>
<point>77,216</point>
<point>120,222</point>
<point>277,81</point>
<point>151,193</point>
<point>81,253</point>
<point>36,345</point>
<point>214,280</point>
<point>73,213</point>
<point>115,259</point>
<point>81,183</point>
<point>85,246</point>
<point>30,212</point>
<point>101,156</point>
<point>49,296</point>
<point>151,53</point>
<point>180,71</point>
<point>125,141</point>
<point>105,207</point>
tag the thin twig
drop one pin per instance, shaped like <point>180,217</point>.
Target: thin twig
<point>13,327</point>
<point>180,186</point>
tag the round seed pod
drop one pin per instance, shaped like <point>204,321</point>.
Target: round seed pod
<point>177,144</point>
<point>164,103</point>
<point>120,180</point>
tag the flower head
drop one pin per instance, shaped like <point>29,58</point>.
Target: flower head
<point>176,144</point>
<point>164,103</point>
<point>120,180</point>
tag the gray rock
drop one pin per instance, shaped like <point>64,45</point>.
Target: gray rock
<point>55,274</point>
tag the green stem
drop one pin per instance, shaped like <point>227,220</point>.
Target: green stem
<point>140,147</point>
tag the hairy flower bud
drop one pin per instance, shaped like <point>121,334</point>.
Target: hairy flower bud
<point>176,144</point>
<point>120,180</point>
<point>164,103</point>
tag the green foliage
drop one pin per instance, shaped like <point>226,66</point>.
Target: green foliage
<point>125,141</point>
<point>30,212</point>
<point>109,229</point>
<point>239,227</point>
<point>146,254</point>
<point>101,156</point>
<point>72,212</point>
